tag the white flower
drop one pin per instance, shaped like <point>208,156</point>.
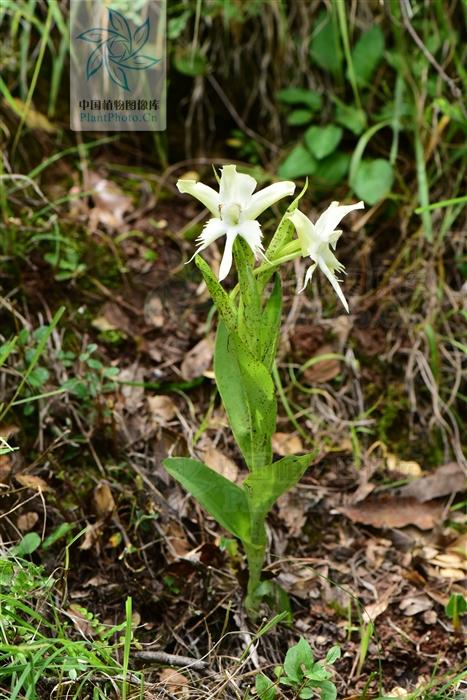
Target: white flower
<point>316,240</point>
<point>235,209</point>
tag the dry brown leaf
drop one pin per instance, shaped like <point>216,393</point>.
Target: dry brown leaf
<point>324,370</point>
<point>177,539</point>
<point>154,311</point>
<point>161,408</point>
<point>410,468</point>
<point>133,395</point>
<point>292,512</point>
<point>32,482</point>
<point>220,463</point>
<point>26,521</point>
<point>91,535</point>
<point>110,202</point>
<point>112,318</point>
<point>445,480</point>
<point>391,511</point>
<point>199,359</point>
<point>285,444</point>
<point>415,604</point>
<point>80,621</point>
<point>104,503</point>
<point>174,681</point>
<point>5,468</point>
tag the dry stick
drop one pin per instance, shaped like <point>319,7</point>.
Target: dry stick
<point>162,657</point>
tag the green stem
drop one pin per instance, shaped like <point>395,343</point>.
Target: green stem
<point>255,552</point>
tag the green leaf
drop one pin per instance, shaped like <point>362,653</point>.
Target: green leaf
<point>323,140</point>
<point>38,376</point>
<point>333,654</point>
<point>248,394</point>
<point>28,545</point>
<point>249,314</point>
<point>298,656</point>
<point>299,96</point>
<point>325,47</point>
<point>298,163</point>
<point>190,64</point>
<point>332,169</point>
<point>265,485</point>
<point>328,690</point>
<point>223,499</point>
<point>299,117</point>
<point>265,688</point>
<point>373,180</point>
<point>220,297</point>
<point>367,53</point>
<point>306,694</point>
<point>350,118</point>
<point>276,598</point>
<point>318,672</point>
<point>456,605</point>
<point>270,325</point>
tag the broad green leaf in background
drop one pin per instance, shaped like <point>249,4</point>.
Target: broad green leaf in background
<point>372,180</point>
<point>265,689</point>
<point>248,394</point>
<point>350,118</point>
<point>270,325</point>
<point>332,169</point>
<point>300,96</point>
<point>265,485</point>
<point>367,53</point>
<point>27,545</point>
<point>298,163</point>
<point>225,501</point>
<point>323,140</point>
<point>299,117</point>
<point>298,657</point>
<point>325,45</point>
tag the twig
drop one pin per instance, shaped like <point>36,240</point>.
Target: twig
<point>162,657</point>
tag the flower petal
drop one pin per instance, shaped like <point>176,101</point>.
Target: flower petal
<point>206,195</point>
<point>308,276</point>
<point>251,232</point>
<point>235,188</point>
<point>226,262</point>
<point>265,198</point>
<point>212,230</point>
<point>331,277</point>
<point>332,216</point>
<point>306,231</point>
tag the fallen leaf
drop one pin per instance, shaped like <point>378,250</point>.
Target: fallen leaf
<point>445,480</point>
<point>175,682</point>
<point>220,463</point>
<point>392,511</point>
<point>32,482</point>
<point>79,619</point>
<point>104,503</point>
<point>161,408</point>
<point>26,521</point>
<point>285,444</point>
<point>322,370</point>
<point>91,535</point>
<point>154,311</point>
<point>292,512</point>
<point>112,318</point>
<point>199,359</point>
<point>410,468</point>
<point>133,394</point>
<point>110,202</point>
<point>415,604</point>
<point>5,468</point>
